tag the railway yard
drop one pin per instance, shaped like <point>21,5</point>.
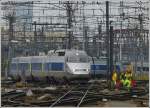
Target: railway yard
<point>74,53</point>
<point>91,94</point>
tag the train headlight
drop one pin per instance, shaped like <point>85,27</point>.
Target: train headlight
<point>88,70</point>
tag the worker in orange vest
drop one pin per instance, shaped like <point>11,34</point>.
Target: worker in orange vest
<point>114,77</point>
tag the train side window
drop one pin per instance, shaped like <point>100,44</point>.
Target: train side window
<point>47,67</point>
<point>144,68</point>
<point>36,67</point>
<point>57,66</point>
<point>23,66</point>
<point>138,68</point>
<point>147,69</point>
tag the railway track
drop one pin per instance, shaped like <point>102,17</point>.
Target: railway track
<point>79,96</point>
<point>8,98</point>
<point>75,95</point>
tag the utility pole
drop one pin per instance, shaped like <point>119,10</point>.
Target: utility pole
<point>111,49</point>
<point>11,21</point>
<point>84,31</point>
<point>94,46</point>
<point>11,37</point>
<point>42,34</point>
<point>141,41</point>
<point>121,34</point>
<point>35,38</point>
<point>69,21</point>
<point>35,32</point>
<point>24,32</point>
<point>86,39</point>
<point>99,38</point>
<point>107,39</point>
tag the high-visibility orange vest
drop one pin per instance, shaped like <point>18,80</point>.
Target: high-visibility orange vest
<point>114,76</point>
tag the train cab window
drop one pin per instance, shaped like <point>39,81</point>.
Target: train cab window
<point>77,59</point>
<point>83,59</point>
<point>145,69</point>
<point>61,53</point>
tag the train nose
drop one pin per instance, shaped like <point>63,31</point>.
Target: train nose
<point>79,68</point>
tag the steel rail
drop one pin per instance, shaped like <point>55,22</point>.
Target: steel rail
<point>84,95</point>
<point>75,96</point>
<point>82,98</point>
<point>70,91</point>
<point>60,98</point>
<point>11,96</point>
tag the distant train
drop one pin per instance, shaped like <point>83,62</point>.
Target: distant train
<point>140,70</point>
<point>99,67</point>
<point>58,63</point>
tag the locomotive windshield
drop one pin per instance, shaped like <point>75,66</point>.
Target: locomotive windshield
<point>77,59</point>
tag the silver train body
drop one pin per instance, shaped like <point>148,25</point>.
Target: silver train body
<point>58,63</point>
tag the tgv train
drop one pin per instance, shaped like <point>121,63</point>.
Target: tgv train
<point>58,63</point>
<point>62,63</point>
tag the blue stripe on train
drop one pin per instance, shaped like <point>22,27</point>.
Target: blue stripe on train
<point>37,67</point>
<point>57,66</point>
<point>54,66</point>
<point>102,67</point>
<point>49,66</point>
<point>23,66</point>
<point>98,67</point>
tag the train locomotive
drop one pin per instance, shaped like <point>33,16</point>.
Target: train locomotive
<point>63,63</point>
<point>57,63</point>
